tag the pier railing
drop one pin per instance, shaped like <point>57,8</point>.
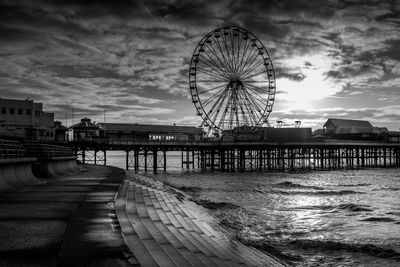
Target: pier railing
<point>46,151</point>
<point>11,149</point>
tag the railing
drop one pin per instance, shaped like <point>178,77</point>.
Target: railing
<point>11,149</point>
<point>47,151</point>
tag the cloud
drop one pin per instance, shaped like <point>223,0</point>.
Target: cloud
<point>131,58</point>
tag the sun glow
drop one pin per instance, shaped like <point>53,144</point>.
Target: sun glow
<point>315,85</point>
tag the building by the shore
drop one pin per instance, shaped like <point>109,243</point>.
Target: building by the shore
<point>86,130</point>
<point>25,120</point>
<point>124,132</point>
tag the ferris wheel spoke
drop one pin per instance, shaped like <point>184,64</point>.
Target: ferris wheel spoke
<point>250,58</point>
<point>217,109</point>
<point>256,102</point>
<point>213,109</point>
<point>223,55</point>
<point>245,49</point>
<point>244,113</point>
<point>253,67</point>
<point>212,89</point>
<point>208,72</point>
<point>212,98</point>
<point>211,81</point>
<point>257,91</point>
<point>254,81</point>
<point>232,37</point>
<point>238,54</point>
<point>212,50</point>
<point>217,67</point>
<point>253,75</point>
<point>227,51</point>
<point>221,122</point>
<point>249,62</point>
<point>251,107</point>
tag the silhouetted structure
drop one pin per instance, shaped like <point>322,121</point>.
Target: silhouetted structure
<point>25,120</point>
<point>390,136</point>
<point>85,130</point>
<point>125,133</point>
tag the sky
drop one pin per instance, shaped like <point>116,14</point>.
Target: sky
<point>128,61</point>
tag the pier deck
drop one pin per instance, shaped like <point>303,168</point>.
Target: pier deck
<point>247,156</point>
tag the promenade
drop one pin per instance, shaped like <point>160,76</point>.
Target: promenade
<point>64,222</point>
<point>100,217</point>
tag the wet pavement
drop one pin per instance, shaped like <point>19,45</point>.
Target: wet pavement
<point>68,221</point>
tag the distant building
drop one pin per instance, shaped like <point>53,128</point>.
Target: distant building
<point>350,129</point>
<point>390,136</point>
<point>269,134</point>
<point>60,132</point>
<point>123,132</point>
<point>85,130</point>
<point>25,120</point>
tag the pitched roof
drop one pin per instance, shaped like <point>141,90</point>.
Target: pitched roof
<point>86,124</point>
<point>349,123</point>
<point>126,127</point>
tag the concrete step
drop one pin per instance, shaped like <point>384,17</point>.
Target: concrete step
<point>224,249</point>
<point>175,235</point>
<point>147,231</point>
<point>135,244</point>
<point>195,238</point>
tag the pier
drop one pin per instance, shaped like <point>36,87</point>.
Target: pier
<point>245,156</point>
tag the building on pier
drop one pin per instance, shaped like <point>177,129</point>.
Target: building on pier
<point>125,133</point>
<point>390,136</point>
<point>25,120</point>
<point>350,129</point>
<point>269,134</point>
<point>86,130</point>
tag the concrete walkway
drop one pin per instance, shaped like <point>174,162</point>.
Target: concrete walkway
<point>67,221</point>
<point>162,228</point>
<point>99,217</point>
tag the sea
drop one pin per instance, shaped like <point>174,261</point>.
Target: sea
<point>315,218</point>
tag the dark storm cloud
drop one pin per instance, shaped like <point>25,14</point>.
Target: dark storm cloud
<point>134,55</point>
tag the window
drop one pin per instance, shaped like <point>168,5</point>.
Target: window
<point>37,113</point>
<point>3,111</point>
<point>28,111</point>
<point>20,111</point>
<point>12,111</point>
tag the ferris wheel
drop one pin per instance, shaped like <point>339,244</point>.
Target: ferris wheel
<point>232,80</point>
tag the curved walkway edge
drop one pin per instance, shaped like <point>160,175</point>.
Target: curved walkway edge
<point>162,228</point>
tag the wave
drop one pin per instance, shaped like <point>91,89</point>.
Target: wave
<point>293,185</point>
<point>369,249</point>
<point>393,213</point>
<point>317,193</point>
<point>348,207</point>
<point>378,219</point>
<point>214,205</point>
<point>354,185</point>
<point>387,189</point>
<point>353,207</point>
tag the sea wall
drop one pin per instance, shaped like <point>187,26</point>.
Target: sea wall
<point>27,164</point>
